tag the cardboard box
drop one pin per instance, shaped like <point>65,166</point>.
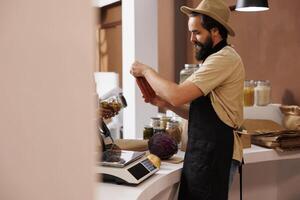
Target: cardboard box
<point>256,126</point>
<point>246,140</point>
<point>269,134</point>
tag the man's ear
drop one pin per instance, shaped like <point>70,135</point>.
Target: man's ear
<point>214,31</point>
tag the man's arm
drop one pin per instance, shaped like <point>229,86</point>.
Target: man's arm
<point>182,111</point>
<point>176,95</point>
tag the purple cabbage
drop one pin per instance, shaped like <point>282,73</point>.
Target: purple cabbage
<point>162,145</point>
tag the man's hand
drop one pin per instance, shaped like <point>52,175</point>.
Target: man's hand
<point>139,69</point>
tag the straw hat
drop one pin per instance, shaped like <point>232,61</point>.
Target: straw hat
<point>216,9</point>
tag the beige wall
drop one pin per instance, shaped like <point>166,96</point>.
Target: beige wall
<point>47,100</point>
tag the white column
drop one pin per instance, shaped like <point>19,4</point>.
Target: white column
<point>139,35</point>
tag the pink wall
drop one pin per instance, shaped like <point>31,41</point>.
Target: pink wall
<point>47,100</point>
<point>269,44</point>
<point>166,39</point>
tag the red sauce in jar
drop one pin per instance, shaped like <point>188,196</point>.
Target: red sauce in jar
<point>145,87</point>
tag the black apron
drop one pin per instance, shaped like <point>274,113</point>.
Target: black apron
<point>205,173</point>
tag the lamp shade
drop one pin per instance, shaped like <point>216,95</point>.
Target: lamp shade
<point>252,5</point>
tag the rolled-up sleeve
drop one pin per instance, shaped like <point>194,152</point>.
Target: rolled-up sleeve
<point>213,72</point>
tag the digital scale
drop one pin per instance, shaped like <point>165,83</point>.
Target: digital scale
<point>122,167</point>
<point>126,167</point>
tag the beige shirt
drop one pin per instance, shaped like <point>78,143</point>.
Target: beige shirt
<point>222,76</point>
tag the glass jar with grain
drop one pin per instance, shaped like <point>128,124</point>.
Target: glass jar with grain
<point>262,93</point>
<point>249,92</point>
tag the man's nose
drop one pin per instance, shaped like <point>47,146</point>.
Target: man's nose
<point>193,38</point>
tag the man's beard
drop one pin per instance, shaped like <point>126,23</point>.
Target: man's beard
<point>203,50</point>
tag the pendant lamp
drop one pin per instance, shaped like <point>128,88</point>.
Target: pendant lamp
<point>252,5</point>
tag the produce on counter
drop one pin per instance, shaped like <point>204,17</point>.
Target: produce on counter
<point>155,160</point>
<point>163,145</point>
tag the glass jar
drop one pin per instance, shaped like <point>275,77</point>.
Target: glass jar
<point>172,124</point>
<point>158,130</point>
<point>155,122</point>
<point>148,132</point>
<point>163,121</point>
<point>262,93</point>
<point>114,103</point>
<point>145,87</point>
<point>249,86</point>
<point>188,70</point>
<point>173,130</point>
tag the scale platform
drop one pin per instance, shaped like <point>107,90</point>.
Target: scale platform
<point>125,167</point>
<point>120,158</point>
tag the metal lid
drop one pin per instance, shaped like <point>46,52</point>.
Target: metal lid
<point>155,118</point>
<point>188,66</point>
<point>123,100</point>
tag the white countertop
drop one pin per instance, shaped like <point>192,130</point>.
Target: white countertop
<point>169,174</point>
<point>257,154</point>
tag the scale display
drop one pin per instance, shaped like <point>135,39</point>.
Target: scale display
<point>142,169</point>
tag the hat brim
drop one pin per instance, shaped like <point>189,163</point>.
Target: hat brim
<point>188,11</point>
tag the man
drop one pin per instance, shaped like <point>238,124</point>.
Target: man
<point>215,94</point>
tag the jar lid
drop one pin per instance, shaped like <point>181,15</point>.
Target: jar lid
<point>155,118</point>
<point>191,66</point>
<point>249,83</point>
<point>263,83</point>
<point>166,118</point>
<point>122,100</point>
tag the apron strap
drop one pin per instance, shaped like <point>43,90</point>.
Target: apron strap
<point>241,179</point>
